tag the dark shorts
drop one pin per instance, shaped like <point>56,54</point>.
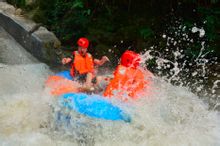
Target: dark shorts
<point>82,78</point>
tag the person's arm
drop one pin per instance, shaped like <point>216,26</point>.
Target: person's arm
<point>67,60</point>
<point>101,61</point>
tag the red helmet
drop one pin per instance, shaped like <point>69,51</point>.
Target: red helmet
<point>130,59</point>
<point>83,42</point>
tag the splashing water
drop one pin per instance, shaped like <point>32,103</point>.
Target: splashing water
<point>182,65</point>
<point>174,117</point>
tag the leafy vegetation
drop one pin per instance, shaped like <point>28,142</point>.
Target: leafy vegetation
<point>17,3</point>
<point>128,24</point>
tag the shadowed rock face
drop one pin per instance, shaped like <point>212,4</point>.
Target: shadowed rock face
<point>40,42</point>
<point>11,52</point>
<point>17,67</point>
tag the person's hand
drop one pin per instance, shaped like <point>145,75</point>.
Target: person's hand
<point>66,60</point>
<point>105,58</point>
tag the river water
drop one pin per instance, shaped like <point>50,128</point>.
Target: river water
<point>169,116</point>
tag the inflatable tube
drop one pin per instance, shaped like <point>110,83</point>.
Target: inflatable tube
<point>61,83</point>
<point>94,106</point>
<point>65,74</point>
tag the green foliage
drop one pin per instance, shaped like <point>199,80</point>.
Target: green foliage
<point>17,3</point>
<point>146,32</point>
<point>214,1</point>
<point>210,27</point>
<point>66,18</point>
<point>135,23</point>
<point>211,17</point>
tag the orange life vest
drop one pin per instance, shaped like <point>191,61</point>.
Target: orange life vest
<point>82,64</point>
<point>126,81</point>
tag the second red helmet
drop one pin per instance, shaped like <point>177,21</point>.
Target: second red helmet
<point>83,42</point>
<point>130,59</point>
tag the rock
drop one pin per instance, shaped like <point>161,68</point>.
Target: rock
<point>34,28</point>
<point>6,8</point>
<point>57,44</point>
<point>18,11</point>
<point>40,42</point>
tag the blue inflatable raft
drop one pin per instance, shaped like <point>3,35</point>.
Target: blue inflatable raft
<point>94,106</point>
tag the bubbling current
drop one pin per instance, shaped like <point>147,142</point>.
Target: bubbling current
<point>170,116</point>
<point>173,116</point>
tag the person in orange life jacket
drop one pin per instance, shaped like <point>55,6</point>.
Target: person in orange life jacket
<point>129,78</point>
<point>82,68</point>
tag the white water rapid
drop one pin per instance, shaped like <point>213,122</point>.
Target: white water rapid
<point>173,117</point>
